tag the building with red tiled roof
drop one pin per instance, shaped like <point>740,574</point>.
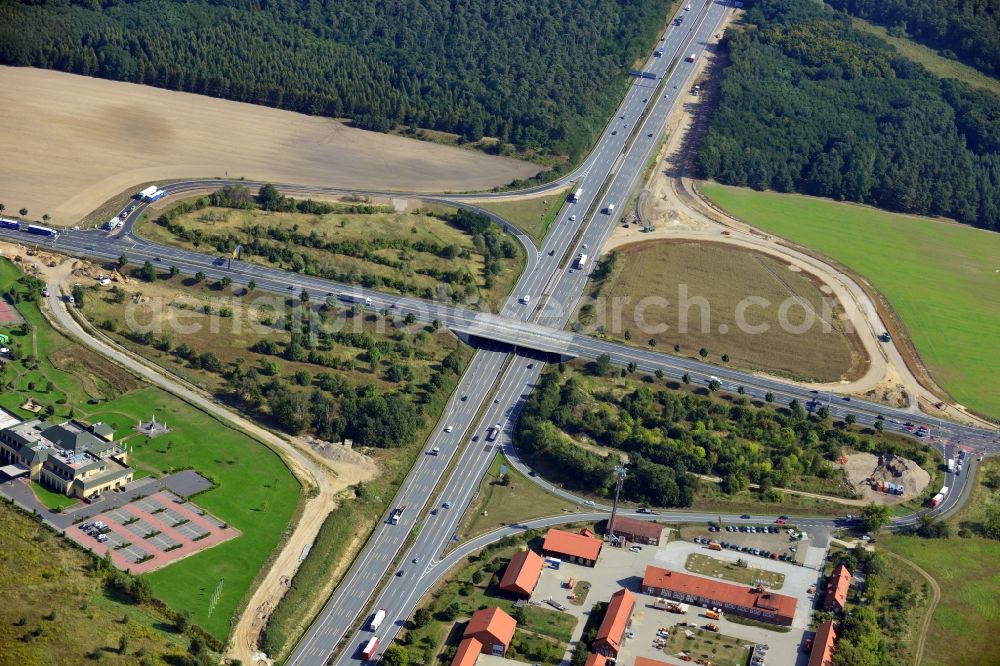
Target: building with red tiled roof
<point>493,628</point>
<point>823,643</point>
<point>468,652</point>
<point>521,575</point>
<point>596,660</point>
<point>637,531</point>
<point>616,620</point>
<point>756,603</point>
<point>645,661</point>
<point>836,590</point>
<point>572,547</point>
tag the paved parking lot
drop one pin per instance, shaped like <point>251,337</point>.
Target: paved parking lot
<point>151,532</point>
<point>619,568</point>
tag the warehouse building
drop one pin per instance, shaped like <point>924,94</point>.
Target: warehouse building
<point>823,644</point>
<point>637,531</point>
<point>611,633</point>
<point>572,547</point>
<point>836,590</point>
<point>756,603</point>
<point>522,574</point>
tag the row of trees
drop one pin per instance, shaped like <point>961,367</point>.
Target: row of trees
<point>538,73</point>
<point>965,29</point>
<point>810,104</point>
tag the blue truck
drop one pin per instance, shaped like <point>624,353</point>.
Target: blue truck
<point>6,223</point>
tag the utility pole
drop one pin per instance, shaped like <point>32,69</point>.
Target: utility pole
<point>621,473</point>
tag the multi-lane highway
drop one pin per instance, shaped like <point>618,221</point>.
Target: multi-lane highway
<point>503,372</point>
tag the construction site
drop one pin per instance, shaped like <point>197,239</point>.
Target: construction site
<point>884,478</point>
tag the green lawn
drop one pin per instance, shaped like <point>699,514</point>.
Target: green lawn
<point>518,501</point>
<point>938,276</point>
<point>966,570</point>
<point>255,493</point>
<point>532,215</point>
<point>716,568</point>
<point>51,499</point>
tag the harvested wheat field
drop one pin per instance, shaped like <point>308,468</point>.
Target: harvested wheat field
<point>758,311</point>
<point>72,142</point>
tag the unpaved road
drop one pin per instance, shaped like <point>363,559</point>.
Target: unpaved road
<point>328,477</point>
<point>72,142</point>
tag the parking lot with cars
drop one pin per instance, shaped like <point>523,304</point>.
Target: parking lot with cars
<point>151,532</point>
<point>657,633</point>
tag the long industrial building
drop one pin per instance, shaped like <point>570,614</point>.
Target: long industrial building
<point>756,603</point>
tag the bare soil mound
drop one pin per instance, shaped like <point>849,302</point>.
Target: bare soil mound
<point>867,472</point>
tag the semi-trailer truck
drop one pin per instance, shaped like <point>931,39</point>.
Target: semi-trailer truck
<point>493,433</point>
<point>158,194</point>
<point>42,231</point>
<point>581,260</point>
<point>937,499</point>
<point>951,465</point>
<point>395,515</point>
<point>369,651</point>
<point>377,620</point>
<point>10,224</point>
<point>576,195</point>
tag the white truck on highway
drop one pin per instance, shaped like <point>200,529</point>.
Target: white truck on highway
<point>576,195</point>
<point>692,57</point>
<point>377,620</point>
<point>581,260</point>
<point>609,209</point>
<point>493,433</point>
<point>395,515</point>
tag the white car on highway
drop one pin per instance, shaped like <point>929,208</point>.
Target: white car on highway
<point>449,428</point>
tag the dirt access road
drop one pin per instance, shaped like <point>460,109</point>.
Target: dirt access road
<point>673,204</point>
<point>328,477</point>
<point>72,142</point>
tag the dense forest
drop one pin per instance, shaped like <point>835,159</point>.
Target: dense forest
<point>539,74</point>
<point>670,436</point>
<point>810,104</point>
<point>968,30</point>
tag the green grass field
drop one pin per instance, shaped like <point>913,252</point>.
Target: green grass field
<point>713,567</point>
<point>532,215</point>
<point>966,570</point>
<point>941,278</point>
<point>936,64</point>
<point>255,492</point>
<point>518,501</point>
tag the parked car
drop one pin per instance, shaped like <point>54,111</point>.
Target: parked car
<point>636,549</point>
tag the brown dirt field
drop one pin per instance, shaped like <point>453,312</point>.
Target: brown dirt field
<point>101,379</point>
<point>127,134</point>
<point>724,276</point>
